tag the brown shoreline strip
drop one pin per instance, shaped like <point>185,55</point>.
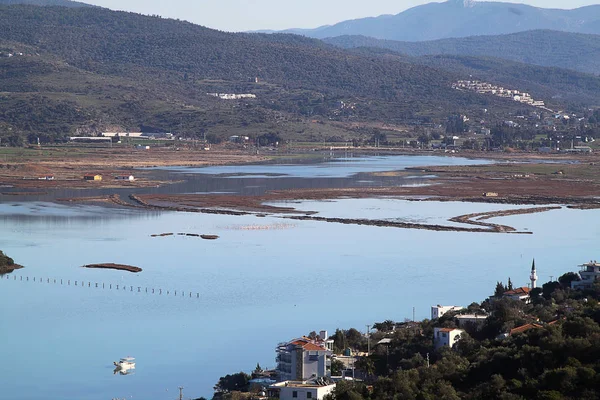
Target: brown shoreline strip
<point>7,269</point>
<point>119,267</point>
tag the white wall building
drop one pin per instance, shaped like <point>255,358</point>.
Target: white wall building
<point>129,178</point>
<point>589,274</point>
<point>446,337</point>
<point>303,359</point>
<point>470,319</point>
<point>438,311</point>
<point>292,390</point>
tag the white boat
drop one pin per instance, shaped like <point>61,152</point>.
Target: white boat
<point>125,364</point>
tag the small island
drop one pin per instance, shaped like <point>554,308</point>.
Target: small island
<point>7,264</point>
<point>120,267</point>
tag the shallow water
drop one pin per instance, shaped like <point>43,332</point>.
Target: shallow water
<point>264,281</point>
<point>256,288</point>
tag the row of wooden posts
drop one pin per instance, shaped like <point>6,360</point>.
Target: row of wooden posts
<point>100,285</point>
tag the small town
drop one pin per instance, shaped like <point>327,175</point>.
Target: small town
<point>321,366</point>
<point>488,88</point>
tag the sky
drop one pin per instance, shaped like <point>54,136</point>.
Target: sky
<point>245,15</point>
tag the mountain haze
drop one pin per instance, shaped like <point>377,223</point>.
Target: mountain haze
<point>576,51</point>
<point>459,18</point>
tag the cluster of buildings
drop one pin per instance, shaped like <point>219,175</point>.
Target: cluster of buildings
<point>304,364</point>
<point>488,88</point>
<point>232,96</point>
<point>98,177</point>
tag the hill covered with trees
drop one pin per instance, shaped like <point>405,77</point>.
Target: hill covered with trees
<point>551,351</point>
<point>80,71</point>
<point>546,48</point>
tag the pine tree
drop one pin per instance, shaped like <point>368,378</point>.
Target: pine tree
<point>510,285</point>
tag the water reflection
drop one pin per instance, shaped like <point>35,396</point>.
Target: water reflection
<point>257,179</point>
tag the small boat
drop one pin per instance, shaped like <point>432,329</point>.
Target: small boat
<point>125,364</point>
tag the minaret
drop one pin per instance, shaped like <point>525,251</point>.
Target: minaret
<point>533,276</point>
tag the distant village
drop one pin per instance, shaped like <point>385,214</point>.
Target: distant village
<point>305,365</point>
<point>488,88</point>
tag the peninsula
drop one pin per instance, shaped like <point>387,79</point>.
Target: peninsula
<point>7,264</point>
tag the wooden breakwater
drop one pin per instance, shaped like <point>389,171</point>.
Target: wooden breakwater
<point>101,286</point>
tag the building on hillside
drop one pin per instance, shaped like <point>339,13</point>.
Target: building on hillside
<point>304,358</point>
<point>446,337</point>
<point>588,274</point>
<point>291,390</point>
<point>93,177</point>
<point>129,178</point>
<point>46,178</point>
<point>521,293</point>
<point>471,320</point>
<point>438,311</point>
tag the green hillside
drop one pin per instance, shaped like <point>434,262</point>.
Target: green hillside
<point>541,47</point>
<point>81,71</point>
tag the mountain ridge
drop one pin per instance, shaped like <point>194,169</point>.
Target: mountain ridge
<point>458,18</point>
<point>580,52</point>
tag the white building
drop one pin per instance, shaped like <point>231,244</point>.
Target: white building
<point>129,178</point>
<point>470,319</point>
<point>292,390</point>
<point>589,274</point>
<point>446,337</point>
<point>521,293</point>
<point>304,358</point>
<point>438,311</point>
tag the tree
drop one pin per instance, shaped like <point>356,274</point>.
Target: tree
<point>510,285</point>
<point>337,367</point>
<point>566,279</point>
<point>500,289</point>
<point>229,383</point>
<point>385,326</point>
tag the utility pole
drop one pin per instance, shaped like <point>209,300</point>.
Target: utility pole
<point>369,339</point>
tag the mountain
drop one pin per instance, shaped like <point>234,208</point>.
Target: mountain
<point>60,3</point>
<point>82,70</point>
<point>75,71</point>
<point>576,51</point>
<point>460,18</point>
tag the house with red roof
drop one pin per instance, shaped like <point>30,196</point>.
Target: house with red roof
<point>521,293</point>
<point>303,358</point>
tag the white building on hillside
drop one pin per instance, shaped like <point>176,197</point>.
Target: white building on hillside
<point>292,390</point>
<point>304,358</point>
<point>446,337</point>
<point>589,274</point>
<point>438,311</point>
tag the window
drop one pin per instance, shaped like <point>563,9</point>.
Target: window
<point>309,395</point>
<point>444,334</point>
<point>295,394</point>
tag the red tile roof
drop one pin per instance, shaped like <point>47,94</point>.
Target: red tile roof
<point>522,291</point>
<point>312,347</point>
<point>524,328</point>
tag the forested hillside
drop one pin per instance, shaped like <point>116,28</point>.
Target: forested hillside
<point>81,71</point>
<point>542,47</point>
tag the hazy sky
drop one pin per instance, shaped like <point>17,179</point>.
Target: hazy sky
<point>243,15</point>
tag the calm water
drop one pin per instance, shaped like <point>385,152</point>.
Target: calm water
<point>257,179</point>
<point>256,287</point>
